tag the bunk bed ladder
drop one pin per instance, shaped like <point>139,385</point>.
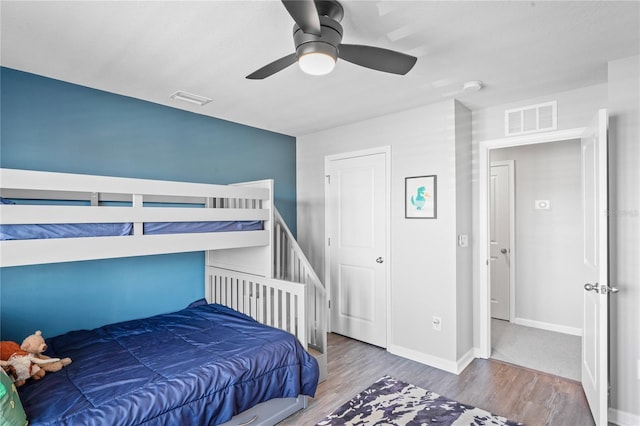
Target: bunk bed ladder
<point>291,264</point>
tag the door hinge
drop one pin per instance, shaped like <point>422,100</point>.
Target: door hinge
<point>328,179</point>
<point>329,241</point>
<point>329,302</point>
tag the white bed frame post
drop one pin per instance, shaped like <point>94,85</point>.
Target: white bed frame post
<point>138,202</point>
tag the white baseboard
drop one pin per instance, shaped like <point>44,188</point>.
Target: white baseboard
<point>622,418</point>
<point>454,367</point>
<point>465,360</point>
<point>574,331</point>
<point>478,353</point>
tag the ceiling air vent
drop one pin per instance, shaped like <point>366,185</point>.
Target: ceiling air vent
<point>530,119</point>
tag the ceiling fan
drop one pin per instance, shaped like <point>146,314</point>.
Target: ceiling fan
<point>317,35</point>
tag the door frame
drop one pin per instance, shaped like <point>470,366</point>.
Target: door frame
<point>512,233</point>
<point>386,150</point>
<point>482,318</point>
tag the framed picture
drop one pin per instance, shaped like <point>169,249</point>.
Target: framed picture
<point>420,197</point>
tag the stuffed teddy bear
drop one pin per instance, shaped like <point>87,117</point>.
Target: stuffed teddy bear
<point>20,364</point>
<point>35,345</point>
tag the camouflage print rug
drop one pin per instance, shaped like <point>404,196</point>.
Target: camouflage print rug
<point>392,402</point>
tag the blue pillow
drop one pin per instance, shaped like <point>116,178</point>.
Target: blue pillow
<point>197,303</point>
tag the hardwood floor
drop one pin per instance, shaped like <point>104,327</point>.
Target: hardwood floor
<point>527,396</point>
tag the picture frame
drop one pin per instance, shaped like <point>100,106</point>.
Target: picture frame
<point>421,197</point>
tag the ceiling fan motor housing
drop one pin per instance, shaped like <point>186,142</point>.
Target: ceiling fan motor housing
<point>327,43</point>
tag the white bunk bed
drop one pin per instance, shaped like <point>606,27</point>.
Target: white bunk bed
<point>247,202</point>
<point>239,264</point>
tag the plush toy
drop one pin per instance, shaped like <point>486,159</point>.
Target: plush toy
<point>18,363</point>
<point>35,346</point>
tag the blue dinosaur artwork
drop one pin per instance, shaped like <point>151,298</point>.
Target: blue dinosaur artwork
<point>419,201</point>
<point>420,197</point>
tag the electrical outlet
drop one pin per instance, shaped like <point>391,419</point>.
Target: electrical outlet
<point>437,323</point>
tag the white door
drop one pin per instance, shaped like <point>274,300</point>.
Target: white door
<point>596,316</point>
<point>357,197</point>
<point>500,239</point>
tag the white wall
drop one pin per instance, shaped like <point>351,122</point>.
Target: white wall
<point>624,225</point>
<point>464,221</point>
<point>423,251</point>
<point>548,243</point>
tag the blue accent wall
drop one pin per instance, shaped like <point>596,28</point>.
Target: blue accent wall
<point>51,125</point>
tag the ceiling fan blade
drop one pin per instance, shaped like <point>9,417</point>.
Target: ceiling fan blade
<point>377,58</point>
<point>273,67</point>
<point>305,14</point>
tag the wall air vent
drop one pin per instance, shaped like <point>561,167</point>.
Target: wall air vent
<point>531,119</point>
<point>190,98</point>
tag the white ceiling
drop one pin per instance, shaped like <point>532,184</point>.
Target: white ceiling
<point>150,49</point>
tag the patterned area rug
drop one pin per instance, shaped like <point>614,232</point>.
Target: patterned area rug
<point>392,402</point>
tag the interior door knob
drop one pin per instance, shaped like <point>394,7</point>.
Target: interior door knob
<point>591,287</point>
<point>503,251</point>
<point>379,260</point>
<point>600,289</point>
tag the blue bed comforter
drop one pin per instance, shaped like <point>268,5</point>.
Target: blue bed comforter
<point>198,366</point>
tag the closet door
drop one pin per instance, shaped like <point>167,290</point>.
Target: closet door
<point>357,216</point>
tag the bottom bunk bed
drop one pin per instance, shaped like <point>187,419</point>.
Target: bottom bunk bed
<point>203,365</point>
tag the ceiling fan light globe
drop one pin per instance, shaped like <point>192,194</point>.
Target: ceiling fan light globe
<point>316,63</point>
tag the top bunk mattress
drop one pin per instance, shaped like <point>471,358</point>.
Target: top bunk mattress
<point>201,365</point>
<point>79,230</point>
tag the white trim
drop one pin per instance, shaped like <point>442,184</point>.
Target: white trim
<point>623,418</point>
<point>430,360</point>
<point>482,317</point>
<point>386,150</point>
<point>565,329</point>
<point>465,360</point>
<point>455,367</point>
<point>477,352</point>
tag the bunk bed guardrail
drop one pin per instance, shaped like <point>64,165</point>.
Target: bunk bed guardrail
<point>114,200</point>
<point>273,302</point>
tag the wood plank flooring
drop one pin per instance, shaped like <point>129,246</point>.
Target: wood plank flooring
<point>528,396</point>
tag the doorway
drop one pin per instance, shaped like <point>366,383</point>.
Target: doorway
<point>537,320</point>
<point>357,253</point>
<point>595,255</point>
